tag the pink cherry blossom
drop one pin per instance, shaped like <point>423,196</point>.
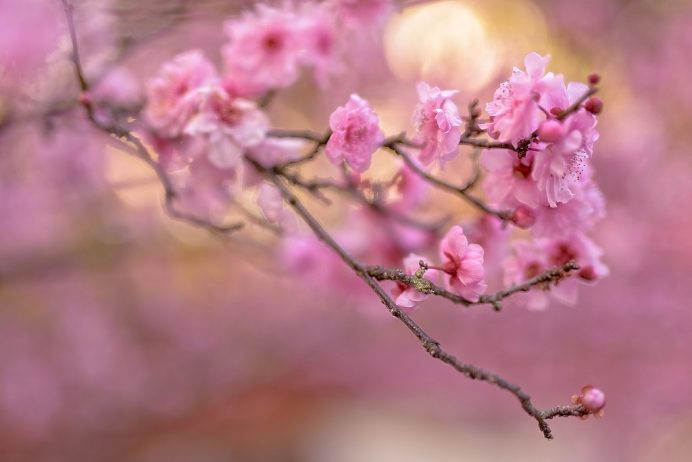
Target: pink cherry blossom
<point>509,181</point>
<point>171,100</point>
<point>438,124</point>
<point>356,134</point>
<point>531,258</point>
<point>405,295</point>
<point>463,264</point>
<point>579,248</point>
<point>264,50</point>
<point>321,41</point>
<point>515,112</point>
<point>229,125</point>
<point>561,167</point>
<point>579,214</point>
<point>526,261</point>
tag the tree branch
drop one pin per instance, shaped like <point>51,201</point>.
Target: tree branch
<point>463,191</point>
<point>431,345</point>
<point>133,144</point>
<point>425,286</point>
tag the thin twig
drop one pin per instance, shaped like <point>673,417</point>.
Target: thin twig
<point>425,286</point>
<point>131,143</point>
<point>462,191</point>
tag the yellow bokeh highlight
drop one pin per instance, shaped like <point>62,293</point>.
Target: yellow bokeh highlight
<point>445,43</point>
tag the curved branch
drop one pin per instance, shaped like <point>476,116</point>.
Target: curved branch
<point>430,344</point>
<point>462,191</point>
<point>133,144</point>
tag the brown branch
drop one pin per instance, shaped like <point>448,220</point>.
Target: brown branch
<point>131,143</point>
<point>392,143</point>
<point>431,345</point>
<point>462,191</point>
<point>577,104</point>
<point>546,278</point>
<point>319,140</point>
<point>425,286</point>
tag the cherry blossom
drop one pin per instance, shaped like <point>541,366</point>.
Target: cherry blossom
<point>531,258</point>
<point>438,124</point>
<point>515,112</point>
<point>229,125</point>
<point>509,180</point>
<point>561,166</point>
<point>321,41</point>
<point>356,134</point>
<point>171,101</point>
<point>462,264</point>
<point>264,50</point>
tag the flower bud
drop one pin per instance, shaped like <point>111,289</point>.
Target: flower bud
<point>592,398</point>
<point>594,105</point>
<point>523,216</point>
<point>594,79</point>
<point>550,131</point>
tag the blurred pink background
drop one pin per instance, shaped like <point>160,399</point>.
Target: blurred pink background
<point>126,336</point>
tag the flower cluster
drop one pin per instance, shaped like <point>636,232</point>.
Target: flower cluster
<point>268,47</point>
<point>547,180</point>
<point>214,138</point>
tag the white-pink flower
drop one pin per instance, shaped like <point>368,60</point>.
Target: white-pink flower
<point>515,112</point>
<point>438,124</point>
<point>356,134</point>
<point>579,214</point>
<point>264,50</point>
<point>170,95</point>
<point>559,167</point>
<point>229,125</point>
<point>462,264</point>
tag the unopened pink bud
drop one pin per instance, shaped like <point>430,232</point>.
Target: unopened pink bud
<point>594,105</point>
<point>592,398</point>
<point>524,217</point>
<point>556,111</point>
<point>550,131</point>
<point>594,79</point>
